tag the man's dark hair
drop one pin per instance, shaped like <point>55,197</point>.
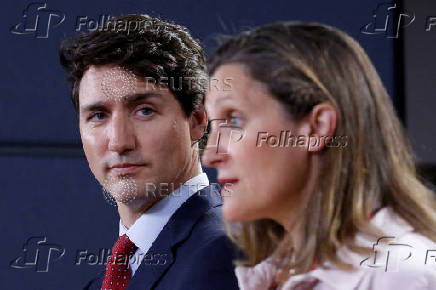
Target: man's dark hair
<point>154,49</point>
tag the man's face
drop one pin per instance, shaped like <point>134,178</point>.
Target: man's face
<point>135,135</point>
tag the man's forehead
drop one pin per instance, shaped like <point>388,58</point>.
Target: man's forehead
<point>114,83</point>
<point>100,73</point>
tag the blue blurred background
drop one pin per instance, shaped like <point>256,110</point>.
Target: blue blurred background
<point>49,197</point>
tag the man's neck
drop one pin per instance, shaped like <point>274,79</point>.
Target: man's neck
<point>131,211</point>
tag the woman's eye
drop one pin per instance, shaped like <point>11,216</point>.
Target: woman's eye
<point>235,121</point>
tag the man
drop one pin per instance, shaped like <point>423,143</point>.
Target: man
<point>138,87</point>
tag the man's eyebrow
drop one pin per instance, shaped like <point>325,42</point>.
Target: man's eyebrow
<point>98,106</point>
<point>129,99</point>
<point>133,98</point>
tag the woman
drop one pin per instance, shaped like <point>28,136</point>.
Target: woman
<point>319,183</point>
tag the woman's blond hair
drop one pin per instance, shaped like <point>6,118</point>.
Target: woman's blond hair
<point>302,65</point>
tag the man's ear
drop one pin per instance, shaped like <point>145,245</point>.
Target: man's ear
<point>198,123</point>
<point>322,121</point>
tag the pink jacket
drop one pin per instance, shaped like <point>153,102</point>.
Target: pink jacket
<point>401,260</point>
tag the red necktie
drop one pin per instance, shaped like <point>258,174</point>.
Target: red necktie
<point>117,274</point>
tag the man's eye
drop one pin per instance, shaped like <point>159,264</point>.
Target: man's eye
<point>97,116</point>
<point>146,111</point>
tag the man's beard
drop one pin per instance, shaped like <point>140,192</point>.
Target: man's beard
<point>125,189</point>
<point>122,188</point>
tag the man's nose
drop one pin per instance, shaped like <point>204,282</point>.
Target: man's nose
<point>121,134</point>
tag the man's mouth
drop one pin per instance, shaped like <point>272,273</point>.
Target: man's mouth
<point>126,168</point>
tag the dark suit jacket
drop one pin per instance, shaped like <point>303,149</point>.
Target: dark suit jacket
<point>192,251</point>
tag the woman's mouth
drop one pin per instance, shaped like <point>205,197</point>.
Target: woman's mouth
<point>227,182</point>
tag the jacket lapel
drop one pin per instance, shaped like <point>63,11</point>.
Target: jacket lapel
<point>160,256</point>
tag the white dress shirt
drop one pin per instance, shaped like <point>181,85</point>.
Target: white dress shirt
<point>148,226</point>
<point>406,261</point>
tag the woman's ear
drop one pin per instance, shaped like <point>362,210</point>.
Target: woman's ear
<point>322,120</point>
<point>198,123</point>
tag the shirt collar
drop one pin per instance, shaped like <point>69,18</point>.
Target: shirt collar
<point>149,225</point>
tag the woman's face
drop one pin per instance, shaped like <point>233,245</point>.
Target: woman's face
<point>260,173</point>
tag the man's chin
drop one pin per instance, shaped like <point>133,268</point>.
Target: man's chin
<point>126,189</point>
<point>141,200</point>
<point>123,189</point>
